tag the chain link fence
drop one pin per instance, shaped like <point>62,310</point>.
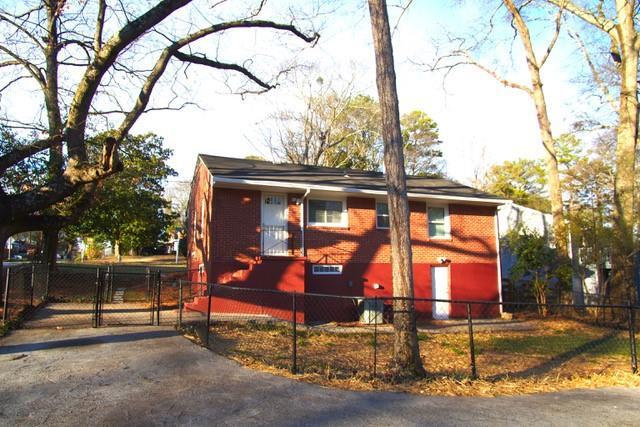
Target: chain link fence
<point>72,295</point>
<point>331,336</point>
<point>352,338</point>
<point>23,288</point>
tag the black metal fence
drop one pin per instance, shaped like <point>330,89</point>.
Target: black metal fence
<point>23,288</point>
<point>80,296</point>
<point>338,337</point>
<point>331,336</point>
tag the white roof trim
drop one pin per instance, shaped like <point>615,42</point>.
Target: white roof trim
<point>283,184</point>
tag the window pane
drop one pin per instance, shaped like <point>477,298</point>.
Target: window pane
<point>325,211</point>
<point>436,230</point>
<point>316,211</point>
<point>383,221</point>
<point>436,215</point>
<point>382,209</point>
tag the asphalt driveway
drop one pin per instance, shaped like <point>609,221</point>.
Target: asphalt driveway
<point>140,376</point>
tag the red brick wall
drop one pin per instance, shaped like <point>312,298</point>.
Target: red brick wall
<point>472,236</point>
<point>199,242</point>
<point>236,235</point>
<point>234,241</point>
<point>236,230</point>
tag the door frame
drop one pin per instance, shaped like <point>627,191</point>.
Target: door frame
<point>263,195</point>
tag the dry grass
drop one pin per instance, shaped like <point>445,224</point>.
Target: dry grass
<point>152,260</point>
<point>555,355</point>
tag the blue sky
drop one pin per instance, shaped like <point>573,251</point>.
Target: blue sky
<point>480,122</point>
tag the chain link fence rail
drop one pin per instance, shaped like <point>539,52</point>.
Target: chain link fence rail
<point>340,337</point>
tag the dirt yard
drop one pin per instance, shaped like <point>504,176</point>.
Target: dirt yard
<point>535,356</point>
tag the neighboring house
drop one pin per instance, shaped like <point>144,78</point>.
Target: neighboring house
<point>310,229</point>
<point>512,216</point>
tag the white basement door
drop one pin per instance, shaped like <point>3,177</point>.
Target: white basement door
<point>440,287</point>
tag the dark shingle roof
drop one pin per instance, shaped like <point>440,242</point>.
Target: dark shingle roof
<point>258,170</point>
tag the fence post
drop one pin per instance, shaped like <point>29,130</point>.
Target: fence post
<point>5,299</point>
<point>375,338</point>
<point>110,274</point>
<point>179,303</point>
<point>294,350</point>
<point>472,350</point>
<point>96,303</point>
<point>209,292</point>
<point>632,339</point>
<point>148,274</point>
<point>46,281</point>
<point>33,278</point>
<point>158,301</point>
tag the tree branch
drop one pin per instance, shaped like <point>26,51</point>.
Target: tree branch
<point>104,58</point>
<point>172,51</point>
<point>503,81</point>
<point>31,68</point>
<point>200,60</point>
<point>594,72</point>
<point>20,153</point>
<point>97,38</point>
<point>599,21</point>
<point>554,39</point>
<point>58,189</point>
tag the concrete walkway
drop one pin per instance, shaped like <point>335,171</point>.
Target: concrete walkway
<point>139,376</point>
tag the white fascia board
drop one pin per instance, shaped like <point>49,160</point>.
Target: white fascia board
<point>301,186</point>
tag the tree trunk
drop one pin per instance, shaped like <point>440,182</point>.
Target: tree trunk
<point>406,354</point>
<point>623,245</point>
<point>544,124</point>
<point>116,251</point>
<point>50,254</point>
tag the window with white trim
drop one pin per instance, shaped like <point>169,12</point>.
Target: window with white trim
<point>382,215</point>
<point>332,213</point>
<point>438,218</point>
<point>326,269</point>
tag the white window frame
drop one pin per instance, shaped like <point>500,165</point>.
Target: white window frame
<point>318,272</point>
<point>344,218</point>
<point>447,222</point>
<point>378,226</point>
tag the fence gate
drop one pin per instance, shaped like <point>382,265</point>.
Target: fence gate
<point>78,296</point>
<point>126,298</point>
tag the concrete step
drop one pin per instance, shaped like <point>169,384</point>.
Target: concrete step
<point>118,296</point>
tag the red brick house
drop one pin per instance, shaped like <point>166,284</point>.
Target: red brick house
<point>309,229</point>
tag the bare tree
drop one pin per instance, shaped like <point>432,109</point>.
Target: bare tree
<point>334,126</point>
<point>337,127</point>
<point>84,58</point>
<point>535,63</point>
<point>617,20</point>
<point>406,354</point>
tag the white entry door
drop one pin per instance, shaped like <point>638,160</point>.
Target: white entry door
<point>440,288</point>
<point>275,238</point>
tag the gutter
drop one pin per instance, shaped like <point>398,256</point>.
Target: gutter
<point>498,260</point>
<point>340,189</point>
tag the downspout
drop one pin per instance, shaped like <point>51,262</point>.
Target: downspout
<point>499,264</point>
<point>304,196</point>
